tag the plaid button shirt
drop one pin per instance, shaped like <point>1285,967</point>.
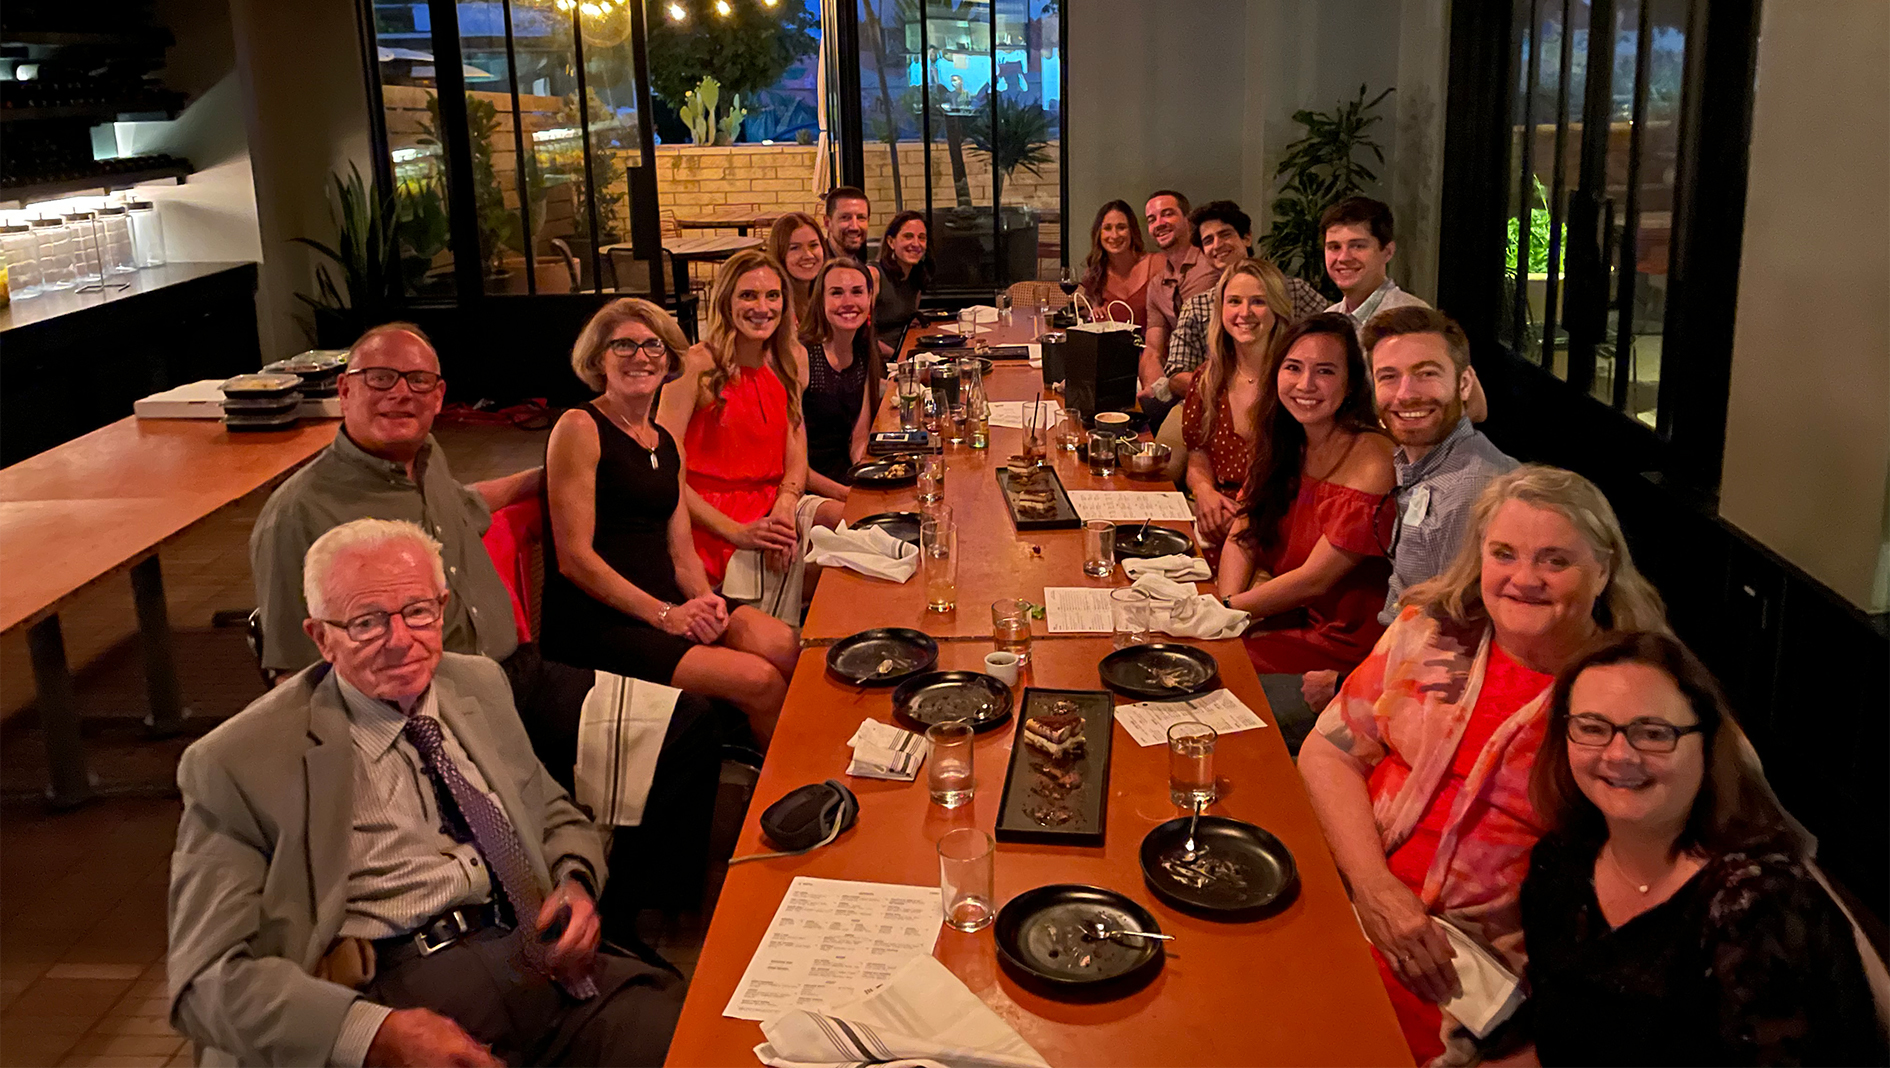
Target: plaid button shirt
<point>1187,345</point>
<point>1452,475</point>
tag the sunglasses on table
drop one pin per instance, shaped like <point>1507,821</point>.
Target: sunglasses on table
<point>382,379</point>
<point>368,626</point>
<point>1646,735</point>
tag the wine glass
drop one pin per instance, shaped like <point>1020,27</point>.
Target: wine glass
<point>1066,280</point>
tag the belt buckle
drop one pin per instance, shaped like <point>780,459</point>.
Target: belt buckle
<point>456,920</point>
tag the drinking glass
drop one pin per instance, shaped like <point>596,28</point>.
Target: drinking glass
<point>964,879</point>
<point>911,390</point>
<point>948,768</point>
<point>1129,614</point>
<point>1102,453</point>
<point>952,425</point>
<point>931,477</point>
<point>967,321</point>
<point>1010,627</point>
<point>1099,548</point>
<point>1191,764</point>
<point>1004,308</point>
<point>938,549</point>
<point>1070,431</point>
<point>978,422</point>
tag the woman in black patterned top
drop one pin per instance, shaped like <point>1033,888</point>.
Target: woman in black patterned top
<point>1671,913</point>
<point>843,374</point>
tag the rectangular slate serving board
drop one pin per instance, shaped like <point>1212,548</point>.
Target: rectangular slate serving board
<point>1089,801</point>
<point>1066,517</point>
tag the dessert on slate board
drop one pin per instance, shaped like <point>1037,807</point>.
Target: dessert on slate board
<point>1056,742</point>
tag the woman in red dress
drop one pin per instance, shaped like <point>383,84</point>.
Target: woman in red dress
<point>1306,558</point>
<point>1118,267</point>
<point>737,411</point>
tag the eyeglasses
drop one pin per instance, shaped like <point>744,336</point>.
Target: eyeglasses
<point>369,626</point>
<point>654,347</point>
<point>1644,734</point>
<point>383,379</point>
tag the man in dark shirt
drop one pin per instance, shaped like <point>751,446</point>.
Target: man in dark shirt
<point>385,464</point>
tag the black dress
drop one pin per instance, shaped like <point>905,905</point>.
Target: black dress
<point>897,302</point>
<point>830,405</point>
<point>633,508</point>
<point>1750,962</point>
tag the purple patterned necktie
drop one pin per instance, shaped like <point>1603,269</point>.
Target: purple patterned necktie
<point>496,840</point>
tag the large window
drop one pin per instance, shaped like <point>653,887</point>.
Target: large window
<point>962,119</point>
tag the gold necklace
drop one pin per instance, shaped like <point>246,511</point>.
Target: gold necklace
<point>630,432</point>
<point>1622,872</point>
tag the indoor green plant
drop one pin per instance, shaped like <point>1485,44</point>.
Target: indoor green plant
<point>1317,171</point>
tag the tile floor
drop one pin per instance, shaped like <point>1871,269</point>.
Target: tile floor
<point>82,893</point>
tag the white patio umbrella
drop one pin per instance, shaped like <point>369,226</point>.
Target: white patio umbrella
<point>823,145</point>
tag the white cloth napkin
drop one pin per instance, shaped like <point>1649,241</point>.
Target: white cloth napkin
<point>870,552</point>
<point>621,725</point>
<point>883,751</point>
<point>922,1015</point>
<point>1490,992</point>
<point>1176,566</point>
<point>1178,610</point>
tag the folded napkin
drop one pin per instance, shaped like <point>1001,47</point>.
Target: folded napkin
<point>1178,610</point>
<point>1175,566</point>
<point>1490,991</point>
<point>922,1015</point>
<point>870,552</point>
<point>621,726</point>
<point>883,751</point>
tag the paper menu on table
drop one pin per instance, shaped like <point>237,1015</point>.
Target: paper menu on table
<point>1148,721</point>
<point>1013,413</point>
<point>832,941</point>
<point>1120,506</point>
<point>1076,610</point>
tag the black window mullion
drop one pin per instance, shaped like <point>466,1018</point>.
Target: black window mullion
<point>646,229</point>
<point>584,130</point>
<point>998,276</point>
<point>520,158</point>
<point>1525,195</point>
<point>382,162</point>
<point>449,80</point>
<point>1585,291</point>
<point>852,121</point>
<point>1627,276</point>
<point>925,115</point>
<point>1551,305</point>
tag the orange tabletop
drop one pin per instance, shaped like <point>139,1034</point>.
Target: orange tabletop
<point>995,559</point>
<point>1297,987</point>
<point>81,510</point>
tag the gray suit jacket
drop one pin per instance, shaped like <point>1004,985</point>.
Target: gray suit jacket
<point>259,878</point>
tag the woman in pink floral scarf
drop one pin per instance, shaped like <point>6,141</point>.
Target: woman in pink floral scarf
<point>1419,769</point>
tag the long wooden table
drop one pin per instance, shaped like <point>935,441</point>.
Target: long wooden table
<point>1298,987</point>
<point>105,502</point>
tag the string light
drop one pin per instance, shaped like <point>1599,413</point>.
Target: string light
<point>722,8</point>
<point>677,14</point>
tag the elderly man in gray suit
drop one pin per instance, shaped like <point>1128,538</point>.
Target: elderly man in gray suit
<point>373,868</point>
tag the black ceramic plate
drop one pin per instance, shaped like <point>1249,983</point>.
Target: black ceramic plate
<point>901,525</point>
<point>857,658</point>
<point>1042,940</point>
<point>1159,541</point>
<point>885,472</point>
<point>940,341</point>
<point>1241,869</point>
<point>1163,670</point>
<point>937,696</point>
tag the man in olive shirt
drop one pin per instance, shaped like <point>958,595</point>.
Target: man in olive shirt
<point>385,464</point>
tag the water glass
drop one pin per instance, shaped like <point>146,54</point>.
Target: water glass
<point>964,879</point>
<point>967,321</point>
<point>952,425</point>
<point>948,768</point>
<point>910,389</point>
<point>938,552</point>
<point>931,477</point>
<point>1010,627</point>
<point>1191,764</point>
<point>1099,548</point>
<point>1130,612</point>
<point>1070,430</point>
<point>1102,453</point>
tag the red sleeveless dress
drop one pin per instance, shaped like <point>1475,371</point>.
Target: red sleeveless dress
<point>737,452</point>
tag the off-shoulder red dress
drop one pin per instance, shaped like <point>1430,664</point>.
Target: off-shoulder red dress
<point>1339,627</point>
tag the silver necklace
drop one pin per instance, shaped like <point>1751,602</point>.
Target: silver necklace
<point>630,432</point>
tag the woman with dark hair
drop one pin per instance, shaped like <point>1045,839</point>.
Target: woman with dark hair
<point>1671,911</point>
<point>797,243</point>
<point>1217,417</point>
<point>1118,266</point>
<point>1307,543</point>
<point>844,372</point>
<point>903,272</point>
<point>625,591</point>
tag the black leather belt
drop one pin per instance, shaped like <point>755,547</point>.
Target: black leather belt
<point>449,927</point>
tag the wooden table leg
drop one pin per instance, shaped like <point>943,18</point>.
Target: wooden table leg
<point>70,783</point>
<point>160,659</point>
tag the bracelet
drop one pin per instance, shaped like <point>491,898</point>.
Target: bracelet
<point>663,616</point>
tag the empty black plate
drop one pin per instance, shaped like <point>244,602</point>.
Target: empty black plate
<point>885,472</point>
<point>901,525</point>
<point>1240,869</point>
<point>857,658</point>
<point>1160,671</point>
<point>937,696</point>
<point>1043,938</point>
<point>1131,543</point>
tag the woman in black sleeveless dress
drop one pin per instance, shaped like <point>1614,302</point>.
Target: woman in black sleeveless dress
<point>844,372</point>
<point>625,591</point>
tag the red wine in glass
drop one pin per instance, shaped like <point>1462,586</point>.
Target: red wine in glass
<point>1067,282</point>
